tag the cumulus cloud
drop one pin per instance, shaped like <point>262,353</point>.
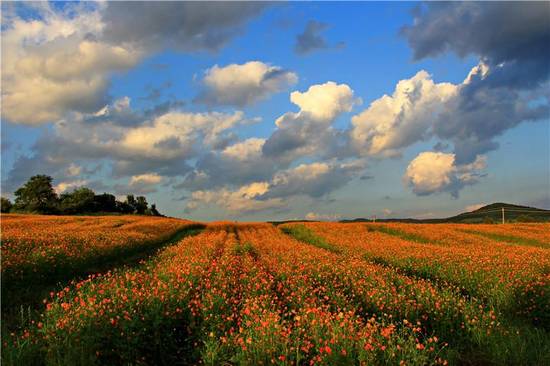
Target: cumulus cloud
<point>312,180</point>
<point>244,84</point>
<point>309,131</point>
<point>52,65</point>
<point>434,172</point>
<point>178,130</point>
<point>324,102</point>
<point>237,164</point>
<point>394,122</point>
<point>468,114</point>
<point>161,145</point>
<point>61,61</point>
<point>480,112</point>
<point>139,184</point>
<point>511,40</point>
<point>512,34</point>
<point>239,201</point>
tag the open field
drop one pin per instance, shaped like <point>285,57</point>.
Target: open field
<point>299,293</point>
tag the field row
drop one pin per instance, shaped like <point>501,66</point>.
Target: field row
<point>250,294</point>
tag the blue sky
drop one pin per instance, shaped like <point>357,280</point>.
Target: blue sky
<point>131,101</point>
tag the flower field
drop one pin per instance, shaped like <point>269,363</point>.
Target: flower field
<point>37,247</point>
<point>301,294</point>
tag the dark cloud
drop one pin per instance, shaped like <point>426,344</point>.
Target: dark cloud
<point>215,170</point>
<point>314,180</point>
<point>511,39</point>
<point>480,112</point>
<point>186,25</point>
<point>311,39</point>
<point>514,34</point>
<point>367,177</point>
<point>301,135</point>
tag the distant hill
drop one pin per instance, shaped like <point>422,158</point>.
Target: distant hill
<point>489,213</point>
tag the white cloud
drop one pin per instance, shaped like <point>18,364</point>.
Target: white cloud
<point>150,178</point>
<point>248,149</point>
<point>311,180</point>
<point>65,186</point>
<point>314,179</point>
<point>309,131</point>
<point>242,200</point>
<point>303,172</point>
<point>61,60</point>
<point>394,122</point>
<point>432,172</point>
<point>468,114</point>
<point>178,130</point>
<point>324,102</point>
<point>56,64</point>
<point>244,84</point>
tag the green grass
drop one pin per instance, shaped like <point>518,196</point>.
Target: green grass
<point>399,233</point>
<point>509,239</point>
<point>304,234</point>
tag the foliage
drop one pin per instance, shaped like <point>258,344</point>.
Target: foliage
<point>140,205</point>
<point>79,200</point>
<point>5,205</point>
<point>37,195</point>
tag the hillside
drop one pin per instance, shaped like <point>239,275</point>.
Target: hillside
<point>492,212</point>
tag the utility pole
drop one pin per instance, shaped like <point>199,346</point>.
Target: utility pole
<point>503,215</point>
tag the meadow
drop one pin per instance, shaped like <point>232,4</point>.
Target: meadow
<point>147,291</point>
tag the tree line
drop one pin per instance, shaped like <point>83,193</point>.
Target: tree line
<point>37,195</point>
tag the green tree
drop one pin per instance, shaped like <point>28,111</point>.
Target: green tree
<point>78,201</point>
<point>37,195</point>
<point>124,207</point>
<point>5,205</point>
<point>141,205</point>
<point>154,210</point>
<point>131,202</point>
<point>105,203</point>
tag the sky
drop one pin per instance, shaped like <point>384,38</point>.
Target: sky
<point>261,111</point>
